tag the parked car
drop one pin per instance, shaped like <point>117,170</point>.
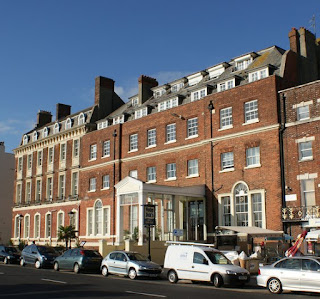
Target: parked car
<point>200,262</point>
<point>9,254</point>
<point>129,263</point>
<point>293,273</point>
<point>40,256</point>
<point>78,259</point>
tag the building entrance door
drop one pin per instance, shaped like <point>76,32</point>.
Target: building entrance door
<point>193,220</point>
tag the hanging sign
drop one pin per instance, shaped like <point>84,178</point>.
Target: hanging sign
<point>149,212</point>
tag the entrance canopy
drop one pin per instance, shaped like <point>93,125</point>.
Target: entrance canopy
<point>249,230</point>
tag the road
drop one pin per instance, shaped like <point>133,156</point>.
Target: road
<point>28,282</point>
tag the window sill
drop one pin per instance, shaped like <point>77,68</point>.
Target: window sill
<point>306,159</point>
<point>192,176</point>
<point>171,141</point>
<point>94,159</point>
<point>133,151</point>
<point>253,166</point>
<point>227,170</point>
<point>253,121</point>
<point>171,179</point>
<point>151,146</point>
<point>91,191</point>
<point>192,137</point>
<point>107,188</point>
<point>225,128</point>
<point>104,157</point>
<point>151,182</point>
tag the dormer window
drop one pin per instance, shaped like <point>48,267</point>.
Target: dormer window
<point>118,120</point>
<point>168,104</point>
<point>25,139</point>
<point>45,132</point>
<point>199,94</point>
<point>81,119</point>
<point>56,128</point>
<point>176,87</point>
<point>216,71</point>
<point>140,113</point>
<point>35,136</point>
<point>102,125</point>
<point>135,102</point>
<point>241,63</point>
<point>226,85</point>
<point>68,123</point>
<point>257,75</point>
<point>158,93</point>
<point>195,78</point>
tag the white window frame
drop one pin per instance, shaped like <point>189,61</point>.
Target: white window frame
<point>151,174</point>
<point>104,228</point>
<point>105,182</point>
<point>198,94</point>
<point>92,184</point>
<point>133,142</point>
<point>118,120</point>
<point>45,132</point>
<point>305,192</point>
<point>168,104</point>
<point>93,152</point>
<point>25,139</point>
<point>106,148</point>
<point>62,186</point>
<point>56,128</point>
<point>258,75</point>
<point>171,171</point>
<point>193,168</point>
<point>37,232</point>
<point>303,113</point>
<point>63,152</point>
<point>192,127</point>
<point>76,149</point>
<point>26,224</point>
<point>133,173</point>
<point>20,164</point>
<point>38,190</point>
<point>81,118</point>
<point>49,191</point>
<point>171,133</point>
<point>253,154</point>
<point>227,161</point>
<point>39,158</point>
<point>68,123</point>
<point>251,112</point>
<point>152,138</point>
<point>19,193</point>
<point>226,120</point>
<point>28,191</point>
<point>50,155</point>
<point>305,151</point>
<point>35,136</point>
<point>141,113</point>
<point>225,85</point>
<point>48,225</point>
<point>62,215</point>
<point>74,183</point>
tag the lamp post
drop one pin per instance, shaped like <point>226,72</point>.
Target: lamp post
<point>71,215</point>
<point>20,220</point>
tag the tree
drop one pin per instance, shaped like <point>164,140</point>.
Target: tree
<point>66,233</point>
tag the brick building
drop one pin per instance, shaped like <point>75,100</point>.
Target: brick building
<point>204,149</point>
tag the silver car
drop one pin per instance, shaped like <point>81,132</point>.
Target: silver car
<point>293,274</point>
<point>129,263</point>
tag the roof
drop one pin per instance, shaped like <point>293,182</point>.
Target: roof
<point>251,230</point>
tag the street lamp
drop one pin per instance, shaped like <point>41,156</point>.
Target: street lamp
<point>71,215</point>
<point>20,217</point>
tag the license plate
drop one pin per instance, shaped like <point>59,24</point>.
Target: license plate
<point>242,277</point>
<point>153,275</point>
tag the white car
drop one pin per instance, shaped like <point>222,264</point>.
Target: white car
<point>201,262</point>
<point>293,274</point>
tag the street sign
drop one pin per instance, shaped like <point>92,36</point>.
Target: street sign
<point>178,232</point>
<point>149,215</point>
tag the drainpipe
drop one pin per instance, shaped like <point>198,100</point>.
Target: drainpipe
<point>114,134</point>
<point>282,164</point>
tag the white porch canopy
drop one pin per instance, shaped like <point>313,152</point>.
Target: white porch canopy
<point>130,185</point>
<point>252,231</point>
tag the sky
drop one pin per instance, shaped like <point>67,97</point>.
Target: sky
<point>51,51</point>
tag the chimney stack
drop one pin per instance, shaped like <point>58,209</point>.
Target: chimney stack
<point>145,85</point>
<point>62,110</point>
<point>104,87</point>
<point>43,118</point>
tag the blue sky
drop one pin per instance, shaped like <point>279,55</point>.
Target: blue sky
<point>51,51</point>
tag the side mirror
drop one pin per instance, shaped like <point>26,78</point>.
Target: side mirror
<point>205,262</point>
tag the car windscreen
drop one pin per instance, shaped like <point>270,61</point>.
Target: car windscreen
<point>48,250</point>
<point>11,250</point>
<point>91,253</point>
<point>217,258</point>
<point>137,257</point>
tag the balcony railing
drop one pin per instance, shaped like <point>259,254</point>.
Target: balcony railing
<point>301,213</point>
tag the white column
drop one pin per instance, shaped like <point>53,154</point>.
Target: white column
<point>141,196</point>
<point>118,221</point>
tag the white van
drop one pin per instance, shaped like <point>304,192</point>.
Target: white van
<point>201,262</point>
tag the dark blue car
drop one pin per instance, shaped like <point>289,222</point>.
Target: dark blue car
<point>38,255</point>
<point>9,254</point>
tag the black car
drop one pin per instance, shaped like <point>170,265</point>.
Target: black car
<point>9,254</point>
<point>78,259</point>
<point>39,256</point>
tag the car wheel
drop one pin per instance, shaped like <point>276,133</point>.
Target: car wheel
<point>105,271</point>
<point>37,264</point>
<point>274,286</point>
<point>56,266</point>
<point>76,268</point>
<point>217,280</point>
<point>132,273</point>
<point>22,263</point>
<point>6,261</point>
<point>172,276</point>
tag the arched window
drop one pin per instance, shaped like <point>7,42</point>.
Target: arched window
<point>26,226</point>
<point>81,119</point>
<point>241,204</point>
<point>25,139</point>
<point>45,132</point>
<point>68,123</point>
<point>98,217</point>
<point>56,128</point>
<point>35,136</point>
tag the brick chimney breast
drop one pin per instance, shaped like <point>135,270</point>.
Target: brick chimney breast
<point>294,40</point>
<point>62,110</point>
<point>102,84</point>
<point>145,85</point>
<point>43,118</point>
